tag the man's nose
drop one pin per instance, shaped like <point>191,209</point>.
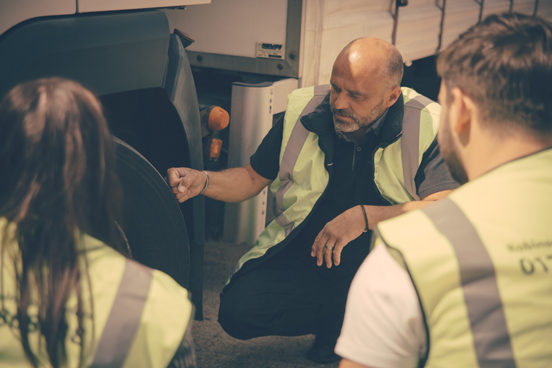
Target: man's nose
<point>341,102</point>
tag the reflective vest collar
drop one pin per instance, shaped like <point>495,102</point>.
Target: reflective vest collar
<point>320,122</point>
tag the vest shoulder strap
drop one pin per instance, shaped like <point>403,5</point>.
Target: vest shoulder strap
<point>149,308</point>
<point>301,102</point>
<point>124,318</point>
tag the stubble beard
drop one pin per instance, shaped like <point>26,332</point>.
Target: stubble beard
<point>450,155</point>
<point>358,121</point>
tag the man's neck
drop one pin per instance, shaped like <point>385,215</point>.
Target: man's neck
<point>504,151</point>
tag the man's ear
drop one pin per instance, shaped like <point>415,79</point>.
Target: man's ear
<point>462,110</point>
<point>393,96</point>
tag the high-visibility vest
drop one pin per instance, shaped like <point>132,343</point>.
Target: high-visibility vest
<point>140,315</point>
<point>481,262</point>
<point>303,176</point>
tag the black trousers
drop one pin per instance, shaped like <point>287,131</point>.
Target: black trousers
<point>288,295</point>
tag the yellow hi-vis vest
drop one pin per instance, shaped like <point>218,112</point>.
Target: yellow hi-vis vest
<point>303,177</point>
<point>481,262</point>
<point>140,315</point>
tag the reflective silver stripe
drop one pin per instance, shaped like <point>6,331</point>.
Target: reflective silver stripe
<point>488,323</point>
<point>295,144</point>
<point>285,223</point>
<point>410,142</point>
<point>124,318</point>
<point>296,141</point>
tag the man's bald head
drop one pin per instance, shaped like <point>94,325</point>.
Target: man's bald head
<point>370,57</point>
<point>365,81</point>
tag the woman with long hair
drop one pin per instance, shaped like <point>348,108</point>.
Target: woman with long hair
<point>68,294</point>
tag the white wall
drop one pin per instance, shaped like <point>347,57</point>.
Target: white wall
<point>109,5</point>
<point>331,24</point>
<point>232,27</point>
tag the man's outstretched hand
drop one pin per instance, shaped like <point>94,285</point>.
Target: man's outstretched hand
<point>336,235</point>
<point>185,183</point>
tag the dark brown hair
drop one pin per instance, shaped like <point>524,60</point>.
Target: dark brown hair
<point>58,178</point>
<point>504,63</point>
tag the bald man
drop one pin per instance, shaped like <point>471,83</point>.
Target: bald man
<point>343,158</point>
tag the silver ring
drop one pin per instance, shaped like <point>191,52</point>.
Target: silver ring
<point>328,248</point>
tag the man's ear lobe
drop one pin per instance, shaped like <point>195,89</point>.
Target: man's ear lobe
<point>462,109</point>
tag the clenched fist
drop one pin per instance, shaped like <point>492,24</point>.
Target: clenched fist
<point>186,183</point>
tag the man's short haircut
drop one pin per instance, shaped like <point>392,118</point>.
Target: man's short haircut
<point>395,67</point>
<point>504,64</point>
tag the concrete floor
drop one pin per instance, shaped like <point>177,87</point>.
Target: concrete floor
<point>214,348</point>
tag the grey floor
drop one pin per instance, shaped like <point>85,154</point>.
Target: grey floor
<point>214,348</point>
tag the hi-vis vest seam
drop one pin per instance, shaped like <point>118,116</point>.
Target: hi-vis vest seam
<point>291,154</point>
<point>124,317</point>
<point>486,315</point>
